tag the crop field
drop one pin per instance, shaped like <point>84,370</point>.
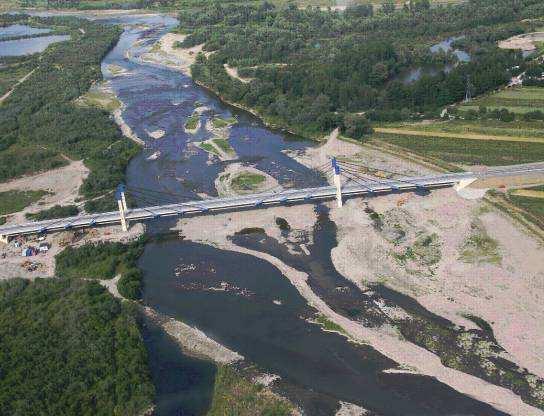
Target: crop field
<point>465,151</point>
<point>488,129</point>
<point>517,100</point>
<point>531,202</point>
<point>467,135</point>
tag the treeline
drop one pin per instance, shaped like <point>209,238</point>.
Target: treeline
<point>311,67</point>
<point>104,261</point>
<point>70,348</point>
<point>39,123</point>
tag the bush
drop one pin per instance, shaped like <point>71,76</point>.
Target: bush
<point>55,212</point>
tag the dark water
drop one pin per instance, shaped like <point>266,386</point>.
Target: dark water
<point>184,385</point>
<point>244,317</point>
<point>30,45</point>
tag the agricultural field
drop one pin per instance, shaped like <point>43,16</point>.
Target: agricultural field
<point>516,100</point>
<point>478,141</point>
<point>530,201</point>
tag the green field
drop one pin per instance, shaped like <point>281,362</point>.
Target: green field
<point>532,207</point>
<point>518,100</point>
<point>463,151</point>
<point>15,201</point>
<point>489,128</point>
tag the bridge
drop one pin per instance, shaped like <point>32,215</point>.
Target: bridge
<point>355,184</point>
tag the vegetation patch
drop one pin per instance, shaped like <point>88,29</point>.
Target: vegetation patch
<point>104,261</point>
<point>3,220</point>
<point>219,123</point>
<point>73,339</point>
<point>247,181</point>
<point>250,230</point>
<point>329,325</point>
<point>234,395</point>
<point>57,211</point>
<point>283,224</point>
<point>479,247</point>
<point>101,99</point>
<point>224,145</point>
<point>15,201</point>
<point>192,122</point>
<point>532,208</point>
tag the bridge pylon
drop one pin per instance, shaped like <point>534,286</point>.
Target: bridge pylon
<point>337,182</point>
<point>122,204</point>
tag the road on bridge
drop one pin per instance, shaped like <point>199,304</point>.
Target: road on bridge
<point>308,195</point>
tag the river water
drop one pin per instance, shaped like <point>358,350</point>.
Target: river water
<point>260,314</point>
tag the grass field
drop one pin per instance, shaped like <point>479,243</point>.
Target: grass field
<point>15,201</point>
<point>531,202</point>
<point>465,151</point>
<point>518,100</point>
<point>452,135</point>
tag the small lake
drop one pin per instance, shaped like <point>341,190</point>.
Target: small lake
<point>21,30</point>
<point>29,46</point>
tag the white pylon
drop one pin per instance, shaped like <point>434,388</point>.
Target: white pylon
<point>337,182</point>
<point>122,203</point>
<point>124,225</point>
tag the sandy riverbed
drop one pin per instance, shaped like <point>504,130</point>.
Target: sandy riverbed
<point>62,184</point>
<point>215,230</point>
<point>165,53</point>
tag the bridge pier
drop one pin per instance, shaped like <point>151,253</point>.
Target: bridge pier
<point>122,203</point>
<point>337,182</point>
<point>4,239</point>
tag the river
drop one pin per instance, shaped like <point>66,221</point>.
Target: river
<point>261,315</point>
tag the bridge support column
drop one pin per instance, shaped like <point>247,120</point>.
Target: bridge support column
<point>337,182</point>
<point>122,203</point>
<point>124,222</point>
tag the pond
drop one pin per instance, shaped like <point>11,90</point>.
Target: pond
<point>29,46</point>
<point>21,30</point>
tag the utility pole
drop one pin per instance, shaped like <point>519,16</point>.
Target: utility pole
<point>337,183</point>
<point>122,203</point>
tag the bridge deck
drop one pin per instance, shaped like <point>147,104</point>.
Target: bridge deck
<point>263,199</point>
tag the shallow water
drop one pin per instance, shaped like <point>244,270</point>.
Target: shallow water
<point>29,46</point>
<point>21,30</point>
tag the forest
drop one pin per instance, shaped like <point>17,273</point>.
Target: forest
<point>40,127</point>
<point>104,261</point>
<point>310,68</point>
<point>70,348</point>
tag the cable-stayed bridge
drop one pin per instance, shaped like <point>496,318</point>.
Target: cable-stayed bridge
<point>350,180</point>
